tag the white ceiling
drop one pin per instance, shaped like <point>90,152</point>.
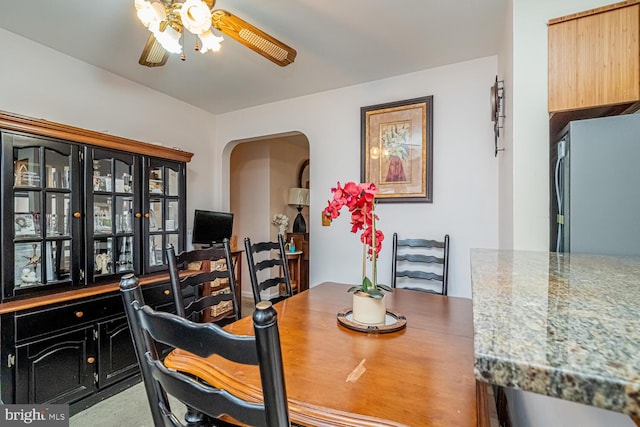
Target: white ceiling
<point>339,43</point>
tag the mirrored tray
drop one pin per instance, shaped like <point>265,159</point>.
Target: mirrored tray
<point>394,321</point>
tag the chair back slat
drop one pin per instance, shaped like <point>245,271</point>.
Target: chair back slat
<point>149,328</point>
<point>262,258</point>
<point>207,302</point>
<point>268,263</point>
<point>422,275</point>
<point>421,243</point>
<point>426,259</point>
<point>419,262</point>
<point>269,283</point>
<point>203,277</point>
<point>201,284</point>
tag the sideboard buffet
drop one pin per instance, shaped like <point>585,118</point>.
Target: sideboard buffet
<point>80,209</point>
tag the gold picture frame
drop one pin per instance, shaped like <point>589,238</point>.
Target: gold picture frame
<point>397,149</point>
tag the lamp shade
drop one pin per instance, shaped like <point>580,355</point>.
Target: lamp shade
<point>299,196</point>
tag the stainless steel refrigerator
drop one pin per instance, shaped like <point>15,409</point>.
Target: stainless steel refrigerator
<point>596,186</point>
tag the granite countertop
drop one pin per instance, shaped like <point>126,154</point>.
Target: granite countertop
<point>562,325</point>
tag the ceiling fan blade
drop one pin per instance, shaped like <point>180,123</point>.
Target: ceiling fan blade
<point>153,54</point>
<point>252,37</point>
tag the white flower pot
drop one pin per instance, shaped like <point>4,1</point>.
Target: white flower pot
<point>367,310</point>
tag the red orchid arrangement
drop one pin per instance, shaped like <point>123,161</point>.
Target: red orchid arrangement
<point>360,201</point>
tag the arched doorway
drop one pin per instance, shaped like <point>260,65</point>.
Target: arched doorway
<point>261,172</point>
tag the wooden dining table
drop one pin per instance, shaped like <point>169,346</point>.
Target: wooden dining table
<point>421,375</point>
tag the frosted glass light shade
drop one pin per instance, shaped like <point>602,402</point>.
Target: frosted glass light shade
<point>150,14</point>
<point>209,42</point>
<point>169,39</point>
<point>196,16</point>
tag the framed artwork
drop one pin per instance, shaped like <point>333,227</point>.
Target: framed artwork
<point>397,149</point>
<point>25,173</point>
<point>24,224</point>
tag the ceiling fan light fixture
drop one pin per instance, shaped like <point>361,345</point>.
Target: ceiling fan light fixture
<point>150,14</point>
<point>195,16</point>
<point>167,20</point>
<point>168,37</point>
<point>210,42</point>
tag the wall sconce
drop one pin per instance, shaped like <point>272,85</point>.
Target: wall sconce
<point>497,111</point>
<point>299,197</point>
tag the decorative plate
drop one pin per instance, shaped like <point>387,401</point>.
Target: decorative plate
<point>394,321</point>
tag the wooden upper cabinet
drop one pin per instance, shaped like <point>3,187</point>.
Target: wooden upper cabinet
<point>594,57</point>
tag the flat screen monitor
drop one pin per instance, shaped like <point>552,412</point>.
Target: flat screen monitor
<point>211,227</point>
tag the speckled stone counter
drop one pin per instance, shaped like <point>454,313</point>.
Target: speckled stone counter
<point>562,325</point>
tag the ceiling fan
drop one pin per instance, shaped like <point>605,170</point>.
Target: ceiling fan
<point>168,19</point>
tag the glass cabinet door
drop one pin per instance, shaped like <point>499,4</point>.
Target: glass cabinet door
<point>43,217</point>
<point>111,214</point>
<point>164,210</point>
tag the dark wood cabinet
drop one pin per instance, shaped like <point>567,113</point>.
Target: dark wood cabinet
<point>70,351</point>
<point>57,369</point>
<point>80,209</point>
<point>116,355</point>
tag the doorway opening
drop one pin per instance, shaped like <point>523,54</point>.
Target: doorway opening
<point>262,171</point>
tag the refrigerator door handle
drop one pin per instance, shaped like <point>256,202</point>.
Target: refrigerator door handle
<point>559,191</point>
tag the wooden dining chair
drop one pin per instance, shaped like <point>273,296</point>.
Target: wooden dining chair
<point>209,294</point>
<point>420,264</point>
<point>268,269</point>
<point>149,328</point>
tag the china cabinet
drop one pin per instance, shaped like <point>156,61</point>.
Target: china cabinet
<point>80,209</point>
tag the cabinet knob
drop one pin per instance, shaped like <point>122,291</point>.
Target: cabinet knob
<point>146,215</point>
<point>166,292</point>
<point>77,215</point>
<point>91,360</point>
<point>79,314</point>
<point>138,215</point>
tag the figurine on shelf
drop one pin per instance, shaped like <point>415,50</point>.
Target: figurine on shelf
<point>28,276</point>
<point>102,263</point>
<point>34,259</point>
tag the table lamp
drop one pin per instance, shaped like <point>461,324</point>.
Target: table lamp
<point>299,197</point>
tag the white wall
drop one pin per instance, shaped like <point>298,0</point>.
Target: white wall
<point>287,154</point>
<point>465,170</point>
<point>530,194</point>
<point>251,189</point>
<point>505,141</point>
<point>39,82</point>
